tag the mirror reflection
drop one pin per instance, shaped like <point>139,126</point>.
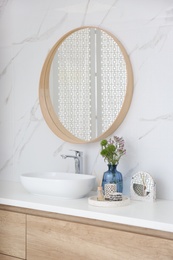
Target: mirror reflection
<point>88,82</point>
<point>86,85</point>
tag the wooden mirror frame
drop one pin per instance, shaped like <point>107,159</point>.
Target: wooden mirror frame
<point>45,100</point>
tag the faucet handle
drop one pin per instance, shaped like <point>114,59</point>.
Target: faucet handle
<point>77,153</point>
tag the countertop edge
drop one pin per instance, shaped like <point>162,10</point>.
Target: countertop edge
<point>156,215</point>
<point>131,221</point>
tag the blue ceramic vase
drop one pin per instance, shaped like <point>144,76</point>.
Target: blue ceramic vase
<point>113,176</point>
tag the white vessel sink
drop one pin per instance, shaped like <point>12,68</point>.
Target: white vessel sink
<point>59,184</point>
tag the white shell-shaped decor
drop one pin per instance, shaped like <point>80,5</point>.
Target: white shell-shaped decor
<point>143,187</point>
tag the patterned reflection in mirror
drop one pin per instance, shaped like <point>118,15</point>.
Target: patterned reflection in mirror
<point>86,85</point>
<point>143,187</point>
<point>88,80</point>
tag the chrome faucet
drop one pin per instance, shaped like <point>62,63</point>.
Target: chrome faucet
<point>78,157</point>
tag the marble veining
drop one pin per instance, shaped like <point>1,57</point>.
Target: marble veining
<point>146,133</point>
<point>85,12</point>
<point>59,150</point>
<point>28,31</point>
<point>167,117</point>
<point>4,70</point>
<point>108,11</point>
<point>42,36</point>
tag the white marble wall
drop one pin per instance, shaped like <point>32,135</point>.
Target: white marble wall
<point>28,30</point>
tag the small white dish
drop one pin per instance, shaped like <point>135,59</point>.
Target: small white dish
<point>106,203</point>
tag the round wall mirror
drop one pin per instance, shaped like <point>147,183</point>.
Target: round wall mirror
<point>86,85</point>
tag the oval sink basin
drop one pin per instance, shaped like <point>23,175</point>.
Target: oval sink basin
<point>59,184</point>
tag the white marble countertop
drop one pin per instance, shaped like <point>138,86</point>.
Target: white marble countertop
<point>157,215</point>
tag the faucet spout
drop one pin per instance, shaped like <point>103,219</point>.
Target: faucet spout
<point>78,160</point>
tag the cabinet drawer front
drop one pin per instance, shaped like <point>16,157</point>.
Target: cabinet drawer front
<point>6,257</point>
<point>12,233</point>
<point>56,239</point>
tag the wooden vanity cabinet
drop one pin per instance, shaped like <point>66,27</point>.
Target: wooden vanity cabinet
<point>6,257</point>
<point>12,235</point>
<point>53,239</point>
<point>51,236</point>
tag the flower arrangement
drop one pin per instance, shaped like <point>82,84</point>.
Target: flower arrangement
<point>112,150</point>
